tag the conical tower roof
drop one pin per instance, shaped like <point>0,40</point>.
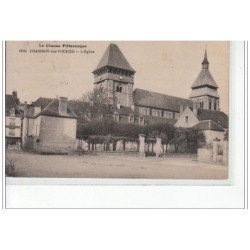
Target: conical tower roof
<point>113,57</point>
<point>205,61</point>
<point>205,78</point>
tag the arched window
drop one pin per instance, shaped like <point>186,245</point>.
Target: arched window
<point>210,104</point>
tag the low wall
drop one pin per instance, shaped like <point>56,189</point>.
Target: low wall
<point>179,155</point>
<point>205,155</point>
<point>129,146</point>
<point>111,153</point>
<point>63,147</point>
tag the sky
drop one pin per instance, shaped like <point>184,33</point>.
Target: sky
<point>161,66</point>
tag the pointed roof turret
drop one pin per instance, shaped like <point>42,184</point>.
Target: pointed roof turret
<point>113,57</point>
<point>205,63</point>
<point>205,78</point>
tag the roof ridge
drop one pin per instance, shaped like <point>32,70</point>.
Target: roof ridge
<point>210,110</point>
<point>162,94</point>
<point>216,124</point>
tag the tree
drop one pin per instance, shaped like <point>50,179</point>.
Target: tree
<point>188,139</point>
<point>97,103</point>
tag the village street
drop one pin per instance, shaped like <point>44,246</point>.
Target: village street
<point>112,166</point>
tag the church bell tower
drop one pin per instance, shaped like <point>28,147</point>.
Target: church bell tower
<point>115,75</point>
<point>204,92</point>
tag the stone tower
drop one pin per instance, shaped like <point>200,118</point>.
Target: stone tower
<point>204,89</point>
<point>115,75</point>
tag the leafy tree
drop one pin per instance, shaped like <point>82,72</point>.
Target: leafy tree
<point>187,138</point>
<point>97,103</point>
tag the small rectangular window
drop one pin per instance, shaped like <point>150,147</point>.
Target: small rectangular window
<point>12,121</point>
<point>186,117</point>
<point>12,132</point>
<point>12,112</point>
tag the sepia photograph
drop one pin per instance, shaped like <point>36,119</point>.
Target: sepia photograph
<point>124,125</point>
<point>118,109</point>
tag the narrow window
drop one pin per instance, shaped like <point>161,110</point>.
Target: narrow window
<point>210,104</point>
<point>186,117</point>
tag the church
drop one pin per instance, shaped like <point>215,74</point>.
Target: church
<point>52,123</point>
<point>201,111</point>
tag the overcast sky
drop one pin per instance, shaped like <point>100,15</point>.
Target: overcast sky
<point>165,67</point>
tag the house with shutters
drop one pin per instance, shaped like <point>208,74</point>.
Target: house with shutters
<point>13,120</point>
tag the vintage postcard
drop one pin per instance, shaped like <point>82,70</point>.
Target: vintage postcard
<point>118,109</point>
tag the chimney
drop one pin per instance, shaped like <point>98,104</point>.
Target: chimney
<point>195,111</point>
<point>181,109</point>
<point>14,94</point>
<point>133,107</point>
<point>63,105</point>
<point>25,108</point>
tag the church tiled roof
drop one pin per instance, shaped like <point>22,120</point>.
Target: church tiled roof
<point>216,116</point>
<point>151,99</point>
<point>208,125</point>
<point>204,78</point>
<point>113,57</point>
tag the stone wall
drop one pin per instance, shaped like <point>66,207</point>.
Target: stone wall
<point>57,135</point>
<point>205,154</point>
<point>210,135</point>
<point>218,153</point>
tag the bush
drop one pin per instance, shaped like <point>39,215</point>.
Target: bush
<point>187,139</point>
<point>9,167</point>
